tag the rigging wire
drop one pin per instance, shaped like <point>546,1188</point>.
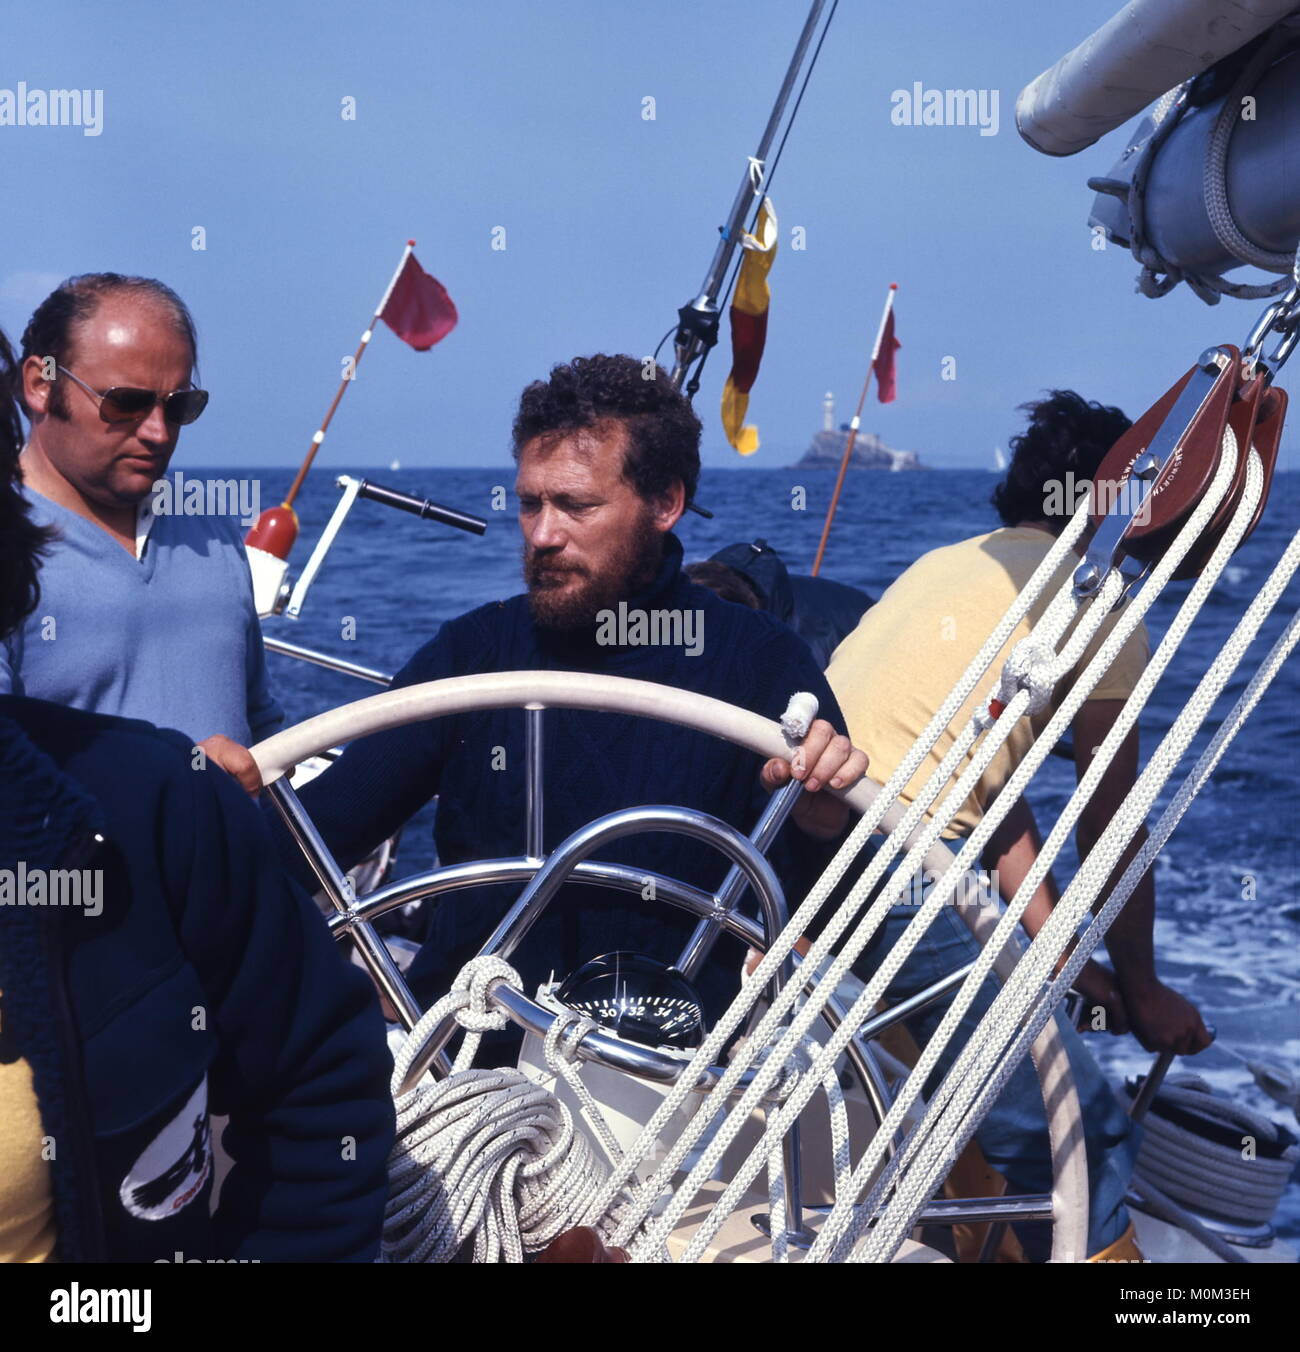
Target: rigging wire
<point>724,296</point>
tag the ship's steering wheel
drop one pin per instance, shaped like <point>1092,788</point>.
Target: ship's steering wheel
<point>541,876</point>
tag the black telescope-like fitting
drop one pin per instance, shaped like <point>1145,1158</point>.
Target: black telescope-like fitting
<point>421,507</point>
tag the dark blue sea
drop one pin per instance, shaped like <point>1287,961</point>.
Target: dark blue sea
<point>1228,883</point>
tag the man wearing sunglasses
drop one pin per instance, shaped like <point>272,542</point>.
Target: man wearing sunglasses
<point>180,980</point>
<point>143,615</point>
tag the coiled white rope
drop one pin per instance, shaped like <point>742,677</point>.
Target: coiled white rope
<point>487,1155</point>
<point>1232,1183</point>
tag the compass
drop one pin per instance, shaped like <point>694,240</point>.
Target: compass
<point>639,998</point>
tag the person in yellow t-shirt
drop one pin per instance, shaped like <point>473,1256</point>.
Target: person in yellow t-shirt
<point>891,675</point>
<point>894,671</point>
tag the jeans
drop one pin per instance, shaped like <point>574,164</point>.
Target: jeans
<point>1013,1136</point>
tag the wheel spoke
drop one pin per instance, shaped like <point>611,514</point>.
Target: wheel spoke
<point>533,767</point>
<point>708,932</point>
<point>338,887</point>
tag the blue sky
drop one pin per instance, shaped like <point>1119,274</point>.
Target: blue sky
<point>529,116</point>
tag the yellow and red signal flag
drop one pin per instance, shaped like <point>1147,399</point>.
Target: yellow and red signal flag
<point>749,328</point>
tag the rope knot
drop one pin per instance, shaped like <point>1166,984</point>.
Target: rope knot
<point>562,1039</point>
<point>474,982</point>
<point>1030,667</point>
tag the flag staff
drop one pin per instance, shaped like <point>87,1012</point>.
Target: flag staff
<point>853,429</point>
<point>346,381</point>
<point>276,530</point>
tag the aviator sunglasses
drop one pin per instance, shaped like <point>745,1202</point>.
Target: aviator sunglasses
<point>123,403</point>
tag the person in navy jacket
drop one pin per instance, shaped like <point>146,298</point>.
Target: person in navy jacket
<point>608,459</point>
<point>181,978</point>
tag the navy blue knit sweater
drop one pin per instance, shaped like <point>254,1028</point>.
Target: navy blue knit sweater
<point>594,763</point>
<point>204,984</point>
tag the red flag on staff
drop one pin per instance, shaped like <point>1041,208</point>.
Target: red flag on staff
<point>883,365</point>
<point>418,309</point>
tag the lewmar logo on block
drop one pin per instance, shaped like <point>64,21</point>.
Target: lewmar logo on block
<point>23,107</point>
<point>89,1305</point>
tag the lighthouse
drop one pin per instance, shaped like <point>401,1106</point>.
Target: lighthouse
<point>828,412</point>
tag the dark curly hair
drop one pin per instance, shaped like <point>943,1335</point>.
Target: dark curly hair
<point>663,433</point>
<point>49,332</point>
<point>21,542</point>
<point>1067,434</point>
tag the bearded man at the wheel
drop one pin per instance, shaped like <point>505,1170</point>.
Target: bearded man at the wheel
<point>608,461</point>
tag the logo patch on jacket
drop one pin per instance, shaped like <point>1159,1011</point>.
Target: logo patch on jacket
<point>172,1169</point>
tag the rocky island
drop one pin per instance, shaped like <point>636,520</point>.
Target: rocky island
<point>869,452</point>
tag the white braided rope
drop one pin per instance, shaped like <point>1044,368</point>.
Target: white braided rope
<point>973,847</point>
<point>1177,740</point>
<point>1211,685</point>
<point>782,945</point>
<point>483,1154</point>
<point>1052,623</point>
<point>1047,630</point>
<point>1018,1014</point>
<point>1026,979</point>
<point>1057,617</point>
<point>1214,180</point>
<point>893,961</point>
<point>560,1050</point>
<point>841,1158</point>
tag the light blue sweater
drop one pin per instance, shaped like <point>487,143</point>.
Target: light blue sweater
<point>172,637</point>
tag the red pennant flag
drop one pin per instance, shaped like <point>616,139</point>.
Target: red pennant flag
<point>418,309</point>
<point>883,366</point>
